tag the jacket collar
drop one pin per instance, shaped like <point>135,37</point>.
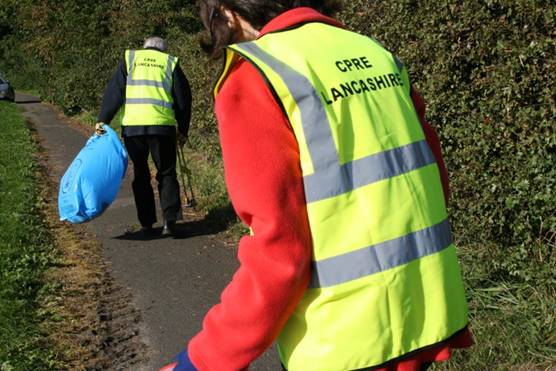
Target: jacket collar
<point>296,17</point>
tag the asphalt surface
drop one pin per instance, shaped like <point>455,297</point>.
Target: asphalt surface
<point>173,281</point>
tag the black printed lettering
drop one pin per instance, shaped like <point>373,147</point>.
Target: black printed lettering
<point>346,89</point>
<point>380,81</point>
<point>366,62</point>
<point>325,98</point>
<point>363,86</point>
<point>339,64</point>
<point>354,86</point>
<point>336,94</point>
<point>387,81</point>
<point>393,80</point>
<point>371,84</point>
<point>400,80</point>
<point>357,64</point>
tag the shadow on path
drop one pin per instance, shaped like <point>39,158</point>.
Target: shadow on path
<point>138,235</point>
<point>217,220</point>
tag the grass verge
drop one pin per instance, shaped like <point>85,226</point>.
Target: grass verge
<point>26,251</point>
<point>513,321</point>
<point>59,307</point>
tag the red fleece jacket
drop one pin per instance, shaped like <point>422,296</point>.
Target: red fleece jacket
<point>264,180</point>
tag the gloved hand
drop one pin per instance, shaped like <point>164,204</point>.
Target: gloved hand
<point>183,364</point>
<point>99,129</point>
<point>181,139</point>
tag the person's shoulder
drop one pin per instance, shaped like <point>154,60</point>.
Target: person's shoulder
<point>243,77</point>
<point>244,88</point>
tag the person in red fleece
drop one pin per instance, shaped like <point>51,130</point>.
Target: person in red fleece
<point>265,183</point>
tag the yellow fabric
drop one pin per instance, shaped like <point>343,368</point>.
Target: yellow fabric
<point>397,198</point>
<point>365,94</point>
<point>333,329</point>
<point>152,66</point>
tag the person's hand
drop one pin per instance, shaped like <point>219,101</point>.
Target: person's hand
<point>183,363</point>
<point>169,367</point>
<point>181,139</point>
<point>99,128</point>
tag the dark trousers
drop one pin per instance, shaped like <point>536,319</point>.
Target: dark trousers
<point>163,151</point>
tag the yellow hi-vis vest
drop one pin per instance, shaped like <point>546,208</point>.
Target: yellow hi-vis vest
<point>148,90</point>
<point>385,276</point>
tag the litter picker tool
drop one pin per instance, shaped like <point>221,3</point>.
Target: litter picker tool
<point>186,185</point>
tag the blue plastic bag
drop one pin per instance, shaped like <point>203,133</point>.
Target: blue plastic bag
<point>93,179</point>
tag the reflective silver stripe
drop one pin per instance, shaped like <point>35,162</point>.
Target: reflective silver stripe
<point>158,84</point>
<point>359,173</point>
<point>166,84</point>
<point>381,257</point>
<point>155,102</point>
<point>167,81</point>
<point>130,60</point>
<point>313,115</point>
<point>330,178</point>
<point>399,64</point>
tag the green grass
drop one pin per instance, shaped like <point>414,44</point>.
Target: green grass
<point>211,197</point>
<point>513,326</point>
<point>513,321</point>
<point>26,250</point>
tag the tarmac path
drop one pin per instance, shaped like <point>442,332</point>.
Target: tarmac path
<point>173,282</point>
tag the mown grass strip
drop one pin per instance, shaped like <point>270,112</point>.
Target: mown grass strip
<point>26,250</point>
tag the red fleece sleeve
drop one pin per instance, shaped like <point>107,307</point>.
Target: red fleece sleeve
<point>264,181</point>
<point>432,140</point>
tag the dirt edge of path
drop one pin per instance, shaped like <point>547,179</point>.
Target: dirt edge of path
<point>95,326</point>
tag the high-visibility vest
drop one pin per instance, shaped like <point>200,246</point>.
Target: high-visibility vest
<point>385,277</point>
<point>148,90</point>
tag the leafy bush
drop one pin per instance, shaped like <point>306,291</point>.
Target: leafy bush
<point>484,69</point>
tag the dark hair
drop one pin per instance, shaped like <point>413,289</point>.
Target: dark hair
<point>256,12</point>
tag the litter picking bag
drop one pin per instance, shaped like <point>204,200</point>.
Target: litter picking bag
<point>93,179</point>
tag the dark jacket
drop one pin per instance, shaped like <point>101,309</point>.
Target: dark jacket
<point>114,98</point>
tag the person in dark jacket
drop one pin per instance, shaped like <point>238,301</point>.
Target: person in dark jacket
<point>155,98</point>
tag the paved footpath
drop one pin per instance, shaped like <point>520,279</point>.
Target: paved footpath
<point>173,281</point>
